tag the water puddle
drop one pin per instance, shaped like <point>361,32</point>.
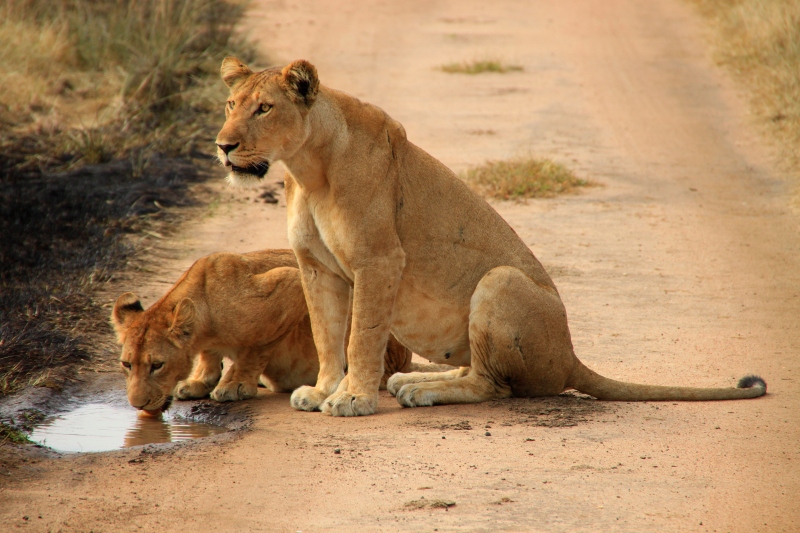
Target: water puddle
<point>100,427</point>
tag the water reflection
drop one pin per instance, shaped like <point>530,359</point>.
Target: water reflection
<point>103,427</point>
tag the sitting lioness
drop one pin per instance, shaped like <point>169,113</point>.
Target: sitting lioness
<point>427,259</point>
<point>247,307</point>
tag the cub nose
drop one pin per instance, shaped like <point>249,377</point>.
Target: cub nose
<point>227,147</point>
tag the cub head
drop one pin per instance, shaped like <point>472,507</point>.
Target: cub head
<point>155,349</point>
<point>265,116</point>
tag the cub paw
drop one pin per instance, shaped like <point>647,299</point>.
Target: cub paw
<point>347,404</point>
<point>234,391</point>
<point>191,390</point>
<point>307,398</point>
<point>415,395</point>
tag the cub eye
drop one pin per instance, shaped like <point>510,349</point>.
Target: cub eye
<point>156,366</point>
<point>126,364</point>
<point>263,108</point>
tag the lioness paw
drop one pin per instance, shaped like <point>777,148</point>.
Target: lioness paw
<point>234,391</point>
<point>307,398</point>
<point>396,382</point>
<point>347,404</point>
<point>415,395</point>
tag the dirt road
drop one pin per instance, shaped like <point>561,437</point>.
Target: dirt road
<point>684,267</point>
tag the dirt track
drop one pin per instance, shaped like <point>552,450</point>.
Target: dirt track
<point>684,267</point>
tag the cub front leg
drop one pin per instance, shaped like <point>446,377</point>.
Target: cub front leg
<point>374,292</point>
<point>240,381</point>
<point>328,299</point>
<point>205,375</point>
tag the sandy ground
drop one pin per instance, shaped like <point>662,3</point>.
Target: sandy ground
<point>681,268</point>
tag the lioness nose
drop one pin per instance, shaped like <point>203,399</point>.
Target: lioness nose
<point>227,147</point>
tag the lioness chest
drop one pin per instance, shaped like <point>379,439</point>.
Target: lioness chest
<point>430,324</point>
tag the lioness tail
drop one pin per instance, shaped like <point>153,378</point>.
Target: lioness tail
<point>589,382</point>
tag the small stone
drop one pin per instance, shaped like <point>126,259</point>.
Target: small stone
<point>337,450</point>
<point>488,434</point>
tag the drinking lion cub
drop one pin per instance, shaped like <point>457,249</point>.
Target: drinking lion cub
<point>427,259</point>
<point>247,307</point>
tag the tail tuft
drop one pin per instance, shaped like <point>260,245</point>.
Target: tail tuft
<point>751,381</point>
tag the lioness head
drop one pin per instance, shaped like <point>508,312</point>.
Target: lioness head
<point>155,349</point>
<point>264,116</point>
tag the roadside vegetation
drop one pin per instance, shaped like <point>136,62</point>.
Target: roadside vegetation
<point>479,67</point>
<point>520,178</point>
<point>759,42</point>
<point>107,109</point>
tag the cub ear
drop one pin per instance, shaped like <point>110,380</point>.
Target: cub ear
<point>234,72</point>
<point>183,323</point>
<point>126,309</point>
<point>301,82</point>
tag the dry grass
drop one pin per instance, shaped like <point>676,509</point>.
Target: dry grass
<point>101,102</point>
<point>759,42</point>
<point>479,67</point>
<point>521,178</point>
<point>116,76</point>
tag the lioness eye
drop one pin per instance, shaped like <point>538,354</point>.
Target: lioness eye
<point>231,104</point>
<point>263,108</point>
<point>126,364</point>
<point>156,366</point>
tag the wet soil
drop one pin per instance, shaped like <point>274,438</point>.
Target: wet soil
<point>684,268</point>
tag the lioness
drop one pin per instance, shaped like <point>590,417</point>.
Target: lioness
<point>247,307</point>
<point>426,257</point>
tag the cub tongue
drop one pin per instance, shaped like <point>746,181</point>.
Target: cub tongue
<point>144,413</point>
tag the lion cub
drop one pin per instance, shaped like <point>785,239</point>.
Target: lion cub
<point>249,308</point>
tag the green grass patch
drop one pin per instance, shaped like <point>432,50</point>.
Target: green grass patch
<point>759,43</point>
<point>12,434</point>
<point>479,67</point>
<point>520,178</point>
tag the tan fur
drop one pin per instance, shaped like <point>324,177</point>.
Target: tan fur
<point>249,308</point>
<point>426,258</point>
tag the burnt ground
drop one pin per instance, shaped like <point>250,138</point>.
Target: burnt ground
<point>66,235</point>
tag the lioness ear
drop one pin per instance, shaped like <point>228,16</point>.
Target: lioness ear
<point>183,323</point>
<point>126,309</point>
<point>234,72</point>
<point>301,82</point>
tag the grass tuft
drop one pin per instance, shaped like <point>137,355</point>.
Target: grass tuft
<point>479,67</point>
<point>522,178</point>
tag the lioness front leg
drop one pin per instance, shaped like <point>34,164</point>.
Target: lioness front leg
<point>205,376</point>
<point>374,292</point>
<point>328,299</point>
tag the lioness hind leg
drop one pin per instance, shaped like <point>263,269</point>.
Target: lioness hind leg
<point>204,377</point>
<point>398,380</point>
<point>519,344</point>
